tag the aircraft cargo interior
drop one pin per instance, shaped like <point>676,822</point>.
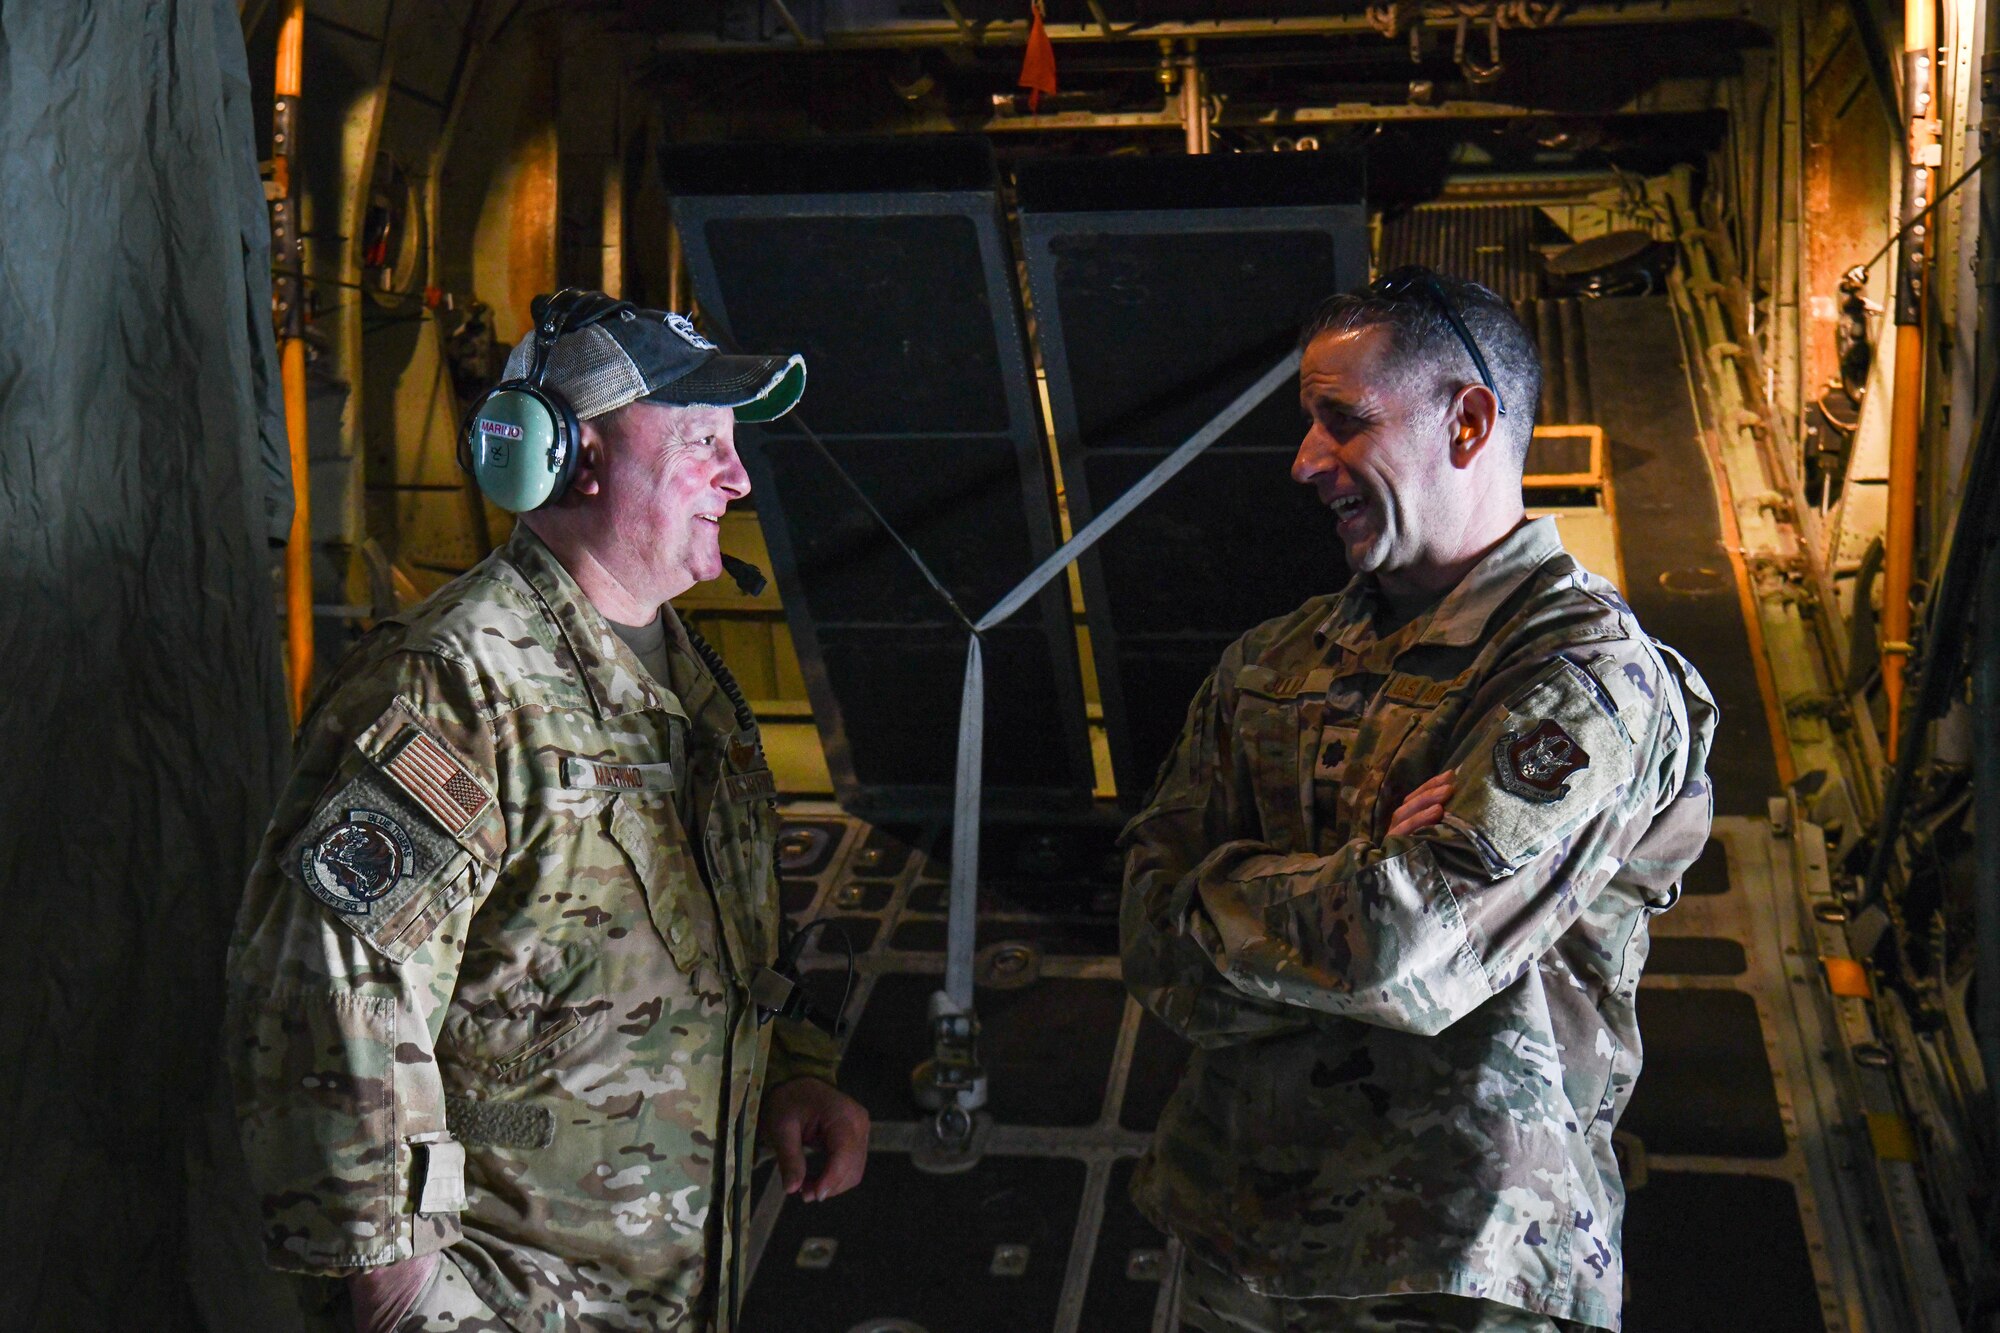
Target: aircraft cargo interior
<point>1016,314</point>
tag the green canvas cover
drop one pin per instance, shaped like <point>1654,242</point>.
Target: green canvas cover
<point>143,476</point>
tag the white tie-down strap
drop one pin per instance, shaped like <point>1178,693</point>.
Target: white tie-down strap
<point>961,932</point>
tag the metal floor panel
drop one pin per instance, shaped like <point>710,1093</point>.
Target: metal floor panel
<point>1754,1274</point>
<point>1696,956</point>
<point>983,1252</point>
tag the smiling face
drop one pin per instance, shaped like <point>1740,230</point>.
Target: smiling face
<point>1400,461</point>
<point>664,476</point>
<point>1376,452</point>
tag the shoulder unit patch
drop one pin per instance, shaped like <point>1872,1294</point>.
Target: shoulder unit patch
<point>1536,765</point>
<point>380,860</point>
<point>357,861</point>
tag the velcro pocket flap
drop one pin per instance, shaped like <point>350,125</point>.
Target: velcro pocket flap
<point>667,874</point>
<point>1557,754</point>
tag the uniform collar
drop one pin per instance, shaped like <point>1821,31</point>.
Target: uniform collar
<point>1459,618</point>
<point>611,673</point>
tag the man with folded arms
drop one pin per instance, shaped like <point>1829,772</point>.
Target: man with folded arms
<point>1394,881</point>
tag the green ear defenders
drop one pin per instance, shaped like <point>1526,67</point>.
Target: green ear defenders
<point>521,440</point>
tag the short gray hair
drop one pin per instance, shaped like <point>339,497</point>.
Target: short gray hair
<point>1431,353</point>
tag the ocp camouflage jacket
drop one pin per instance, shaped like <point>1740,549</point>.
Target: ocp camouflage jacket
<point>487,981</point>
<point>1411,1051</point>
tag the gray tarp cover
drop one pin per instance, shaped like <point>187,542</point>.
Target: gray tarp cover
<point>142,731</point>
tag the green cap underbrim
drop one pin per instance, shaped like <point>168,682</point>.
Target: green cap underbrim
<point>756,388</point>
<point>780,397</point>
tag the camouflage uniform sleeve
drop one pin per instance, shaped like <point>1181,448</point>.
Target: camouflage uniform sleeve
<point>1557,788</point>
<point>800,1050</point>
<point>1196,803</point>
<point>344,957</point>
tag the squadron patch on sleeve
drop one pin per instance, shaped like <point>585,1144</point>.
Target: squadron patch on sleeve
<point>1536,765</point>
<point>1550,758</point>
<point>357,861</point>
<point>378,859</point>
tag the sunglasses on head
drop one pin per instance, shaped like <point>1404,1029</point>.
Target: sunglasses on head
<point>1414,281</point>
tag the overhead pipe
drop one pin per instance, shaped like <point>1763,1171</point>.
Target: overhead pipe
<point>957,29</point>
<point>1194,103</point>
<point>288,298</point>
<point>1922,156</point>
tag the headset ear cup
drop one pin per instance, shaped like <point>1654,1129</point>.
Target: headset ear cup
<point>465,444</point>
<point>522,441</point>
<point>521,444</point>
<point>569,449</point>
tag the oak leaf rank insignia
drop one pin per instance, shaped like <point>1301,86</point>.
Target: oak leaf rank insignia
<point>1536,765</point>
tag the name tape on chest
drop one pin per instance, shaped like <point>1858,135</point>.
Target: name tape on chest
<point>580,774</point>
<point>1269,685</point>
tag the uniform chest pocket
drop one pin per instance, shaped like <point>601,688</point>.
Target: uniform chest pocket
<point>1407,741</point>
<point>514,1015</point>
<point>1270,743</point>
<point>647,830</point>
<point>741,838</point>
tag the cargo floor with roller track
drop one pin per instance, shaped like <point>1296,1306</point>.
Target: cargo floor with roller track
<point>1742,1185</point>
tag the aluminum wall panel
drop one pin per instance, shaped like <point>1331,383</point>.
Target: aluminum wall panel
<point>1162,288</point>
<point>901,298</point>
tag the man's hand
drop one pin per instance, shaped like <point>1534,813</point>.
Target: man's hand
<point>380,1297</point>
<point>806,1113</point>
<point>1422,807</point>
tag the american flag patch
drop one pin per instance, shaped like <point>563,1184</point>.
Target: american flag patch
<point>438,782</point>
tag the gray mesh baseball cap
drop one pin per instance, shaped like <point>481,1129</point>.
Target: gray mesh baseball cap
<point>657,355</point>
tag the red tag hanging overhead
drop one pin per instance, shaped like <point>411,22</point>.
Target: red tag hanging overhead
<point>1038,65</point>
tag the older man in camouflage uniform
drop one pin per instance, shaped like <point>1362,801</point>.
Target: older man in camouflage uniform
<point>1394,882</point>
<point>490,980</point>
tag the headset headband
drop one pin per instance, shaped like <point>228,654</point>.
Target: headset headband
<point>568,311</point>
<point>555,323</point>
